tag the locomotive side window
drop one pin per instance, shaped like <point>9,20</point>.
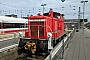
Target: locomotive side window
<point>56,15</point>
<point>46,14</point>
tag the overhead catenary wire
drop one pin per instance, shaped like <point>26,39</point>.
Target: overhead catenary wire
<point>34,7</point>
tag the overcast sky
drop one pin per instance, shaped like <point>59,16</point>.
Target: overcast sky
<point>69,8</point>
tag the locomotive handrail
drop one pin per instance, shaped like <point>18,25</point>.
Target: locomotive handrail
<point>24,29</point>
<point>61,45</point>
<point>57,31</point>
<point>69,36</point>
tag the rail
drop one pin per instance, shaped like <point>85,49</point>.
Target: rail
<point>60,47</point>
<point>8,48</point>
<point>11,36</point>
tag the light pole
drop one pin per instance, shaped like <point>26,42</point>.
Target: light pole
<point>83,12</point>
<point>79,18</point>
<point>43,6</point>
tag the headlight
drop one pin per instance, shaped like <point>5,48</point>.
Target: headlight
<point>49,34</point>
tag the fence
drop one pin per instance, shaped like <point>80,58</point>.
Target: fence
<point>58,51</point>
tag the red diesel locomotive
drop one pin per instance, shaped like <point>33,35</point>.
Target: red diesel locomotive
<point>44,32</point>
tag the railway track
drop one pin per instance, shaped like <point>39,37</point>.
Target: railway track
<point>33,57</point>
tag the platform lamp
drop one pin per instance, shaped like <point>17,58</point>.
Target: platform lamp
<point>43,6</point>
<point>83,8</point>
<point>83,11</point>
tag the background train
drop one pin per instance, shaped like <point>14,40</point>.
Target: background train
<point>44,32</point>
<point>11,24</point>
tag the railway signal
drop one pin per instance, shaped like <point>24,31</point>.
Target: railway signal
<point>83,20</point>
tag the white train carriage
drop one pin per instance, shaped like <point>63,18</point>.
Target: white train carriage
<point>11,24</point>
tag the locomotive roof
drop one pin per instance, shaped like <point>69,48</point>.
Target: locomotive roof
<point>45,14</point>
<point>53,12</point>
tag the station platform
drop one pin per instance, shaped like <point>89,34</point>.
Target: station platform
<point>79,48</point>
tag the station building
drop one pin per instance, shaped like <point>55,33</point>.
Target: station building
<point>73,23</point>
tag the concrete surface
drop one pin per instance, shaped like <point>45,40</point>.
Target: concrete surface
<point>79,48</point>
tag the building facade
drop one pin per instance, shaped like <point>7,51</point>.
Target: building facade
<point>72,23</point>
